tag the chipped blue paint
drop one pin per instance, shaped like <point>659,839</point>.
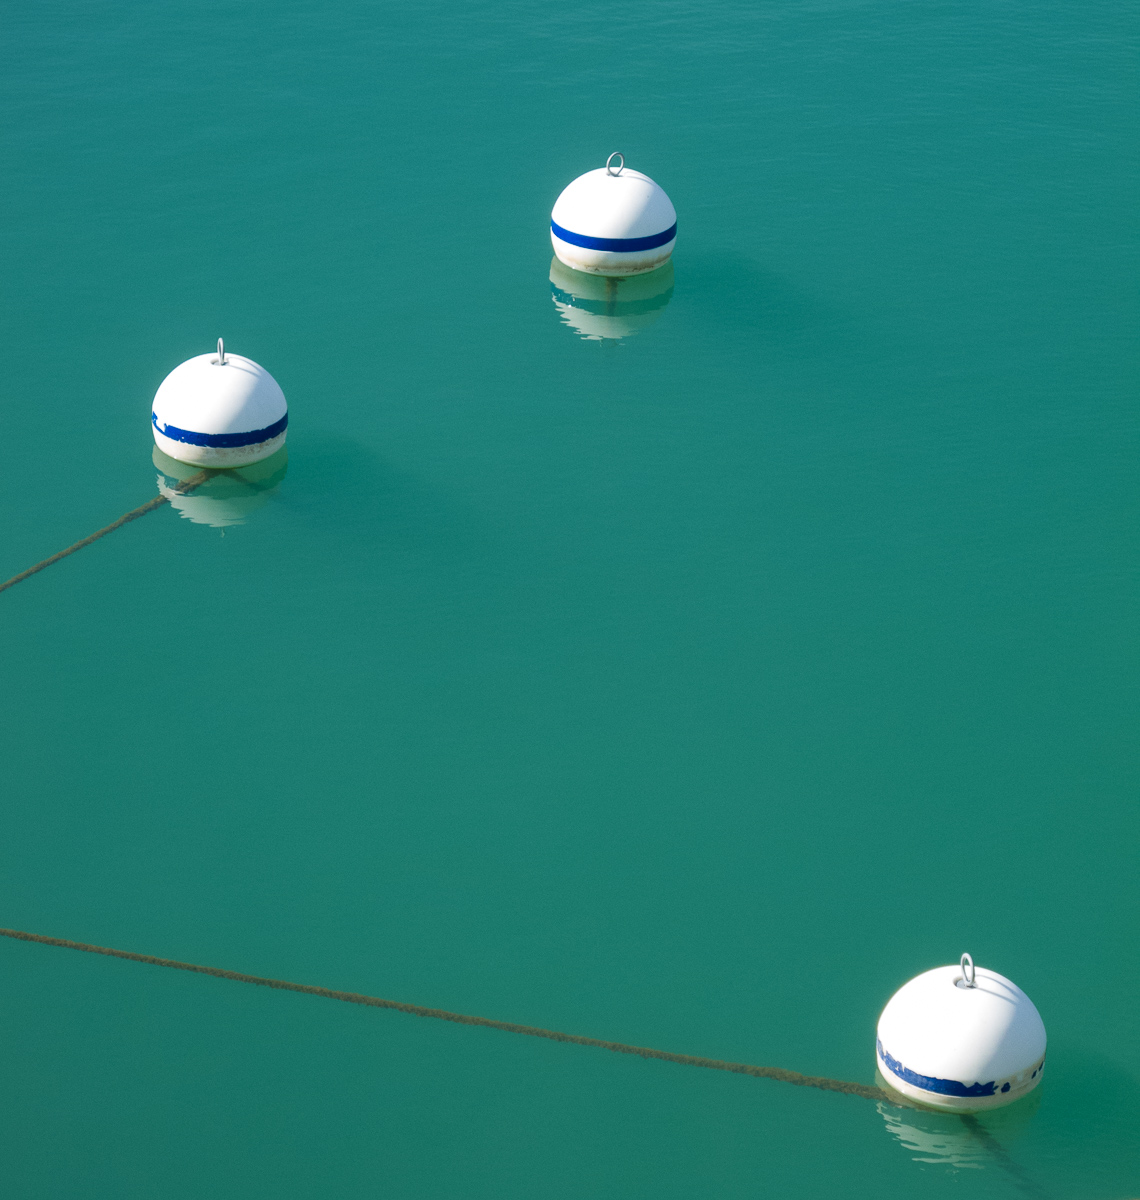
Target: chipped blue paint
<point>221,439</point>
<point>931,1083</point>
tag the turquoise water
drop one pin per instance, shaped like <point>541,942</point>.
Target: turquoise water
<point>692,689</point>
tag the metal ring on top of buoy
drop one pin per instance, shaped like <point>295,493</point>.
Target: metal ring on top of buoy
<point>220,361</point>
<point>611,159</point>
<point>968,971</point>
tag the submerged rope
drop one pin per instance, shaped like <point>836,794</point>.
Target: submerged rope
<point>187,485</point>
<point>1000,1155</point>
<point>439,1014</point>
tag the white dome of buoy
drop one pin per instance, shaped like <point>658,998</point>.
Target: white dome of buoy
<point>613,221</point>
<point>598,308</point>
<point>961,1039</point>
<point>219,410</point>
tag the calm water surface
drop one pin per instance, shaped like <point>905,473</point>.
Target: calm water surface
<point>693,688</point>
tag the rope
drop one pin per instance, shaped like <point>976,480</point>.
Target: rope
<point>439,1014</point>
<point>1025,1184</point>
<point>187,485</point>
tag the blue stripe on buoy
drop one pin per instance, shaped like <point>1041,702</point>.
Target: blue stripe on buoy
<point>221,440</point>
<point>620,244</point>
<point>931,1083</point>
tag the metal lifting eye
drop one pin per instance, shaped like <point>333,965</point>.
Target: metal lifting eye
<point>621,164</point>
<point>220,361</point>
<point>968,971</point>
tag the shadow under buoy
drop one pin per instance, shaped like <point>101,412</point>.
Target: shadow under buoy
<point>604,308</point>
<point>227,497</point>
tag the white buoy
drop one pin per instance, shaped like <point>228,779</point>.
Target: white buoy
<point>600,308</point>
<point>613,221</point>
<point>219,410</point>
<point>961,1039</point>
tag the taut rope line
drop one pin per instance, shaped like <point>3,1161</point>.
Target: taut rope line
<point>439,1014</point>
<point>187,485</point>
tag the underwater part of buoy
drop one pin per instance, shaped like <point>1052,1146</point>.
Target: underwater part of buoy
<point>602,308</point>
<point>225,498</point>
<point>613,221</point>
<point>961,1039</point>
<point>219,410</point>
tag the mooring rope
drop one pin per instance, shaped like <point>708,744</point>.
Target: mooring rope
<point>999,1153</point>
<point>439,1014</point>
<point>187,485</point>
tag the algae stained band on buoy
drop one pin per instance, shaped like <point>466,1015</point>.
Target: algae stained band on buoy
<point>961,1039</point>
<point>219,410</point>
<point>613,221</point>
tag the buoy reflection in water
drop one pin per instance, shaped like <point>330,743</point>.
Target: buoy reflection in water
<point>601,308</point>
<point>953,1140</point>
<point>226,497</point>
<point>930,1140</point>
